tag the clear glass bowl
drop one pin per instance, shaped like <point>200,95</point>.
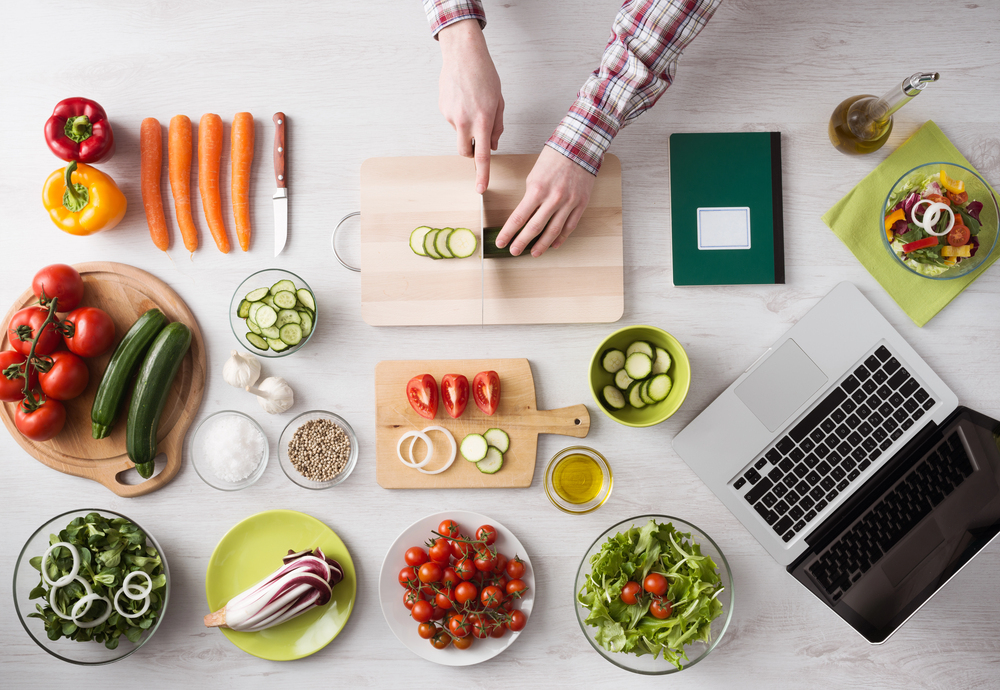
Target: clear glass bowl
<point>26,578</point>
<point>266,278</point>
<point>977,189</point>
<point>199,456</point>
<point>607,480</point>
<point>696,651</point>
<point>286,462</point>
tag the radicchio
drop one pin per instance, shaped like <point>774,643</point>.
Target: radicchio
<point>974,208</point>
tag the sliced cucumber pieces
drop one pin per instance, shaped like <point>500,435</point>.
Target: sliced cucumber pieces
<point>429,247</point>
<point>306,299</point>
<point>613,360</point>
<point>640,346</point>
<point>278,317</point>
<point>474,447</point>
<point>243,310</point>
<point>613,397</point>
<point>265,316</point>
<point>443,243</point>
<point>661,365</point>
<point>257,341</point>
<point>492,463</point>
<point>285,300</point>
<point>498,438</point>
<point>417,240</point>
<point>638,365</point>
<point>462,243</point>
<point>623,380</point>
<point>256,295</point>
<point>641,379</point>
<point>281,286</point>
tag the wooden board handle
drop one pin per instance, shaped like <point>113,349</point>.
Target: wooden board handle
<point>109,474</point>
<point>565,421</point>
<point>280,177</point>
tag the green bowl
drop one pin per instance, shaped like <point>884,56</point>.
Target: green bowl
<point>680,373</point>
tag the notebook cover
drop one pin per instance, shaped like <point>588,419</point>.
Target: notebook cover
<point>730,172</point>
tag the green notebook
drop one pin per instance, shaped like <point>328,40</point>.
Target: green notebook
<point>725,208</point>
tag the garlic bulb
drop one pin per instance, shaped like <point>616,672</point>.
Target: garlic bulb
<point>274,395</point>
<point>241,370</point>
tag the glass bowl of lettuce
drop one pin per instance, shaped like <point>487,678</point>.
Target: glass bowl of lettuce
<point>699,592</point>
<point>930,255</point>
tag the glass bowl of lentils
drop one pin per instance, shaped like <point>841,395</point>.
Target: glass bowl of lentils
<point>318,450</point>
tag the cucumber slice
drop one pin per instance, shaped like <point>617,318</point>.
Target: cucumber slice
<point>613,360</point>
<point>252,325</point>
<point>661,365</point>
<point>268,300</point>
<point>265,316</point>
<point>306,298</point>
<point>307,323</point>
<point>633,396</point>
<point>291,333</point>
<point>441,243</point>
<point>277,345</point>
<point>659,387</point>
<point>498,438</point>
<point>429,244</point>
<point>644,392</point>
<point>281,286</point>
<point>623,380</point>
<point>417,240</point>
<point>256,295</point>
<point>252,312</point>
<point>492,463</point>
<point>271,332</point>
<point>243,310</point>
<point>285,300</point>
<point>462,243</point>
<point>287,316</point>
<point>638,365</point>
<point>640,346</point>
<point>256,341</point>
<point>474,447</point>
<point>613,398</point>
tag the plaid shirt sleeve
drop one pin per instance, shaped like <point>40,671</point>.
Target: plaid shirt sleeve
<point>442,13</point>
<point>638,65</point>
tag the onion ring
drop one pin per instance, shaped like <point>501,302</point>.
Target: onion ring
<point>97,621</point>
<point>423,437</point>
<point>139,593</point>
<point>65,579</point>
<point>52,593</point>
<point>932,215</point>
<point>454,450</point>
<point>122,613</point>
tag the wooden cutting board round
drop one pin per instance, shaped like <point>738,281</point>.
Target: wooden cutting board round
<point>124,293</point>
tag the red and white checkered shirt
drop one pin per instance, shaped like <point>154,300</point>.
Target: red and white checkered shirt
<point>639,62</point>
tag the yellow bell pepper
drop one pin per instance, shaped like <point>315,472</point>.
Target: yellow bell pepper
<point>82,200</point>
<point>890,220</point>
<point>953,186</point>
<point>964,251</point>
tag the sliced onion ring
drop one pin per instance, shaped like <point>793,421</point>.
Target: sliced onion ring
<point>133,592</point>
<point>67,578</point>
<point>423,437</point>
<point>52,594</point>
<point>97,621</point>
<point>454,450</point>
<point>121,612</point>
<point>932,215</point>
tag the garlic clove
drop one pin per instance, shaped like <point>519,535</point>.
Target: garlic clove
<point>274,395</point>
<point>241,370</point>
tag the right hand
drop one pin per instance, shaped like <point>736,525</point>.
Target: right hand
<point>470,98</point>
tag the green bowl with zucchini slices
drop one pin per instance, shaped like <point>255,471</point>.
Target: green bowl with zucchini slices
<point>273,313</point>
<point>639,375</point>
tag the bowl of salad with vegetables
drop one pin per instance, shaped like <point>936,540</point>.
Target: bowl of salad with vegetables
<point>939,221</point>
<point>654,595</point>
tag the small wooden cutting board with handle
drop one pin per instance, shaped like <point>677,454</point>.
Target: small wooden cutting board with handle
<point>517,415</point>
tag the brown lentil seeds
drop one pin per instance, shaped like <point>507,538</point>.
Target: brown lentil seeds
<point>319,450</point>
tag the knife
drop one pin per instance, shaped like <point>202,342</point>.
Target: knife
<point>281,179</point>
<point>482,260</point>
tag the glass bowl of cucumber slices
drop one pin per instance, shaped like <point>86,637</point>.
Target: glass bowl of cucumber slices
<point>273,313</point>
<point>639,375</point>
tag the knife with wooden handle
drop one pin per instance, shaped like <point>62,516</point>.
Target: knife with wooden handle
<point>281,180</point>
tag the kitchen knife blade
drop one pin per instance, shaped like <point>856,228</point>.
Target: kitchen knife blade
<point>482,261</point>
<point>281,179</point>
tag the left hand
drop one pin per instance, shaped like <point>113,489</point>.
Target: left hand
<point>557,194</point>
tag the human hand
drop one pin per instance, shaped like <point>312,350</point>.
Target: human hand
<point>470,98</point>
<point>557,195</point>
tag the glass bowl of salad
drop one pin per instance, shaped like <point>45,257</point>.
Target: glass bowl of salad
<point>684,601</point>
<point>939,221</point>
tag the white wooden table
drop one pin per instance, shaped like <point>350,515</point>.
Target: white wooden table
<point>359,80</point>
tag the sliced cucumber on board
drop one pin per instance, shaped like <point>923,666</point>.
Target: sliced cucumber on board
<point>417,240</point>
<point>492,463</point>
<point>474,447</point>
<point>441,243</point>
<point>462,243</point>
<point>498,438</point>
<point>429,241</point>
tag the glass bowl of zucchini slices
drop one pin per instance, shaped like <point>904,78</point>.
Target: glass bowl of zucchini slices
<point>639,375</point>
<point>273,313</point>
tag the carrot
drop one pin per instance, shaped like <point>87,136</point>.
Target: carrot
<point>179,167</point>
<point>151,163</point>
<point>209,160</point>
<point>242,157</point>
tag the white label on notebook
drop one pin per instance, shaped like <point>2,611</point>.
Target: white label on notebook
<point>724,228</point>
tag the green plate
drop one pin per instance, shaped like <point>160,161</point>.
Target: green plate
<point>251,551</point>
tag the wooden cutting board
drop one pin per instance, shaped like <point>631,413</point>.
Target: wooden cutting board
<point>124,293</point>
<point>517,415</point>
<point>581,282</point>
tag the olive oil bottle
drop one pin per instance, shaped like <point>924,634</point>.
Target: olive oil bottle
<point>862,124</point>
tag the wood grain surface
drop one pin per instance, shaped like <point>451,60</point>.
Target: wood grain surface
<point>518,415</point>
<point>125,293</point>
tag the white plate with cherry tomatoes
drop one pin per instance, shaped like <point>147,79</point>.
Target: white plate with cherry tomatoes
<point>409,625</point>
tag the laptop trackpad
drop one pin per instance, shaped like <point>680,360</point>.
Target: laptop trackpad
<point>780,385</point>
<point>914,549</point>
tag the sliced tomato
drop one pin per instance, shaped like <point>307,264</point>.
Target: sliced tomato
<point>486,391</point>
<point>422,392</point>
<point>959,235</point>
<point>454,394</point>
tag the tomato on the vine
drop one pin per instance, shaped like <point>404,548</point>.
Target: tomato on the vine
<point>62,281</point>
<point>427,630</point>
<point>408,577</point>
<point>67,378</point>
<point>465,568</point>
<point>487,533</point>
<point>448,528</point>
<point>438,613</point>
<point>440,551</point>
<point>500,566</point>
<point>422,611</point>
<point>517,621</point>
<point>445,598</point>
<point>459,626</point>
<point>33,318</point>
<point>515,568</point>
<point>430,572</point>
<point>485,560</point>
<point>516,588</point>
<point>410,597</point>
<point>466,592</point>
<point>491,597</point>
<point>12,390</point>
<point>93,332</point>
<point>450,577</point>
<point>463,642</point>
<point>661,608</point>
<point>480,628</point>
<point>42,423</point>
<point>461,549</point>
<point>630,592</point>
<point>655,584</point>
<point>415,556</point>
<point>498,630</point>
<point>440,640</point>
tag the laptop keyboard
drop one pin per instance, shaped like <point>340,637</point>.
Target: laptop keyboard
<point>929,482</point>
<point>839,439</point>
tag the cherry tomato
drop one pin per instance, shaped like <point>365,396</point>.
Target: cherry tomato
<point>445,598</point>
<point>67,378</point>
<point>465,568</point>
<point>485,560</point>
<point>959,235</point>
<point>43,423</point>
<point>430,572</point>
<point>448,528</point>
<point>480,628</point>
<point>465,592</point>
<point>13,390</point>
<point>491,597</point>
<point>454,395</point>
<point>415,556</point>
<point>486,391</point>
<point>938,199</point>
<point>463,642</point>
<point>515,569</point>
<point>655,584</point>
<point>487,533</point>
<point>517,621</point>
<point>422,392</point>
<point>516,588</point>
<point>498,630</point>
<point>441,640</point>
<point>422,611</point>
<point>507,605</point>
<point>460,626</point>
<point>408,577</point>
<point>427,630</point>
<point>438,613</point>
<point>500,566</point>
<point>33,317</point>
<point>93,332</point>
<point>461,549</point>
<point>440,552</point>
<point>959,198</point>
<point>450,578</point>
<point>62,281</point>
<point>661,608</point>
<point>410,597</point>
<point>629,592</point>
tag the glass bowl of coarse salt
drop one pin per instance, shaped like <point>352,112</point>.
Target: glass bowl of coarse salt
<point>229,451</point>
<point>318,450</point>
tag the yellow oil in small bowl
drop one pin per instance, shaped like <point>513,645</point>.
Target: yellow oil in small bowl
<point>578,480</point>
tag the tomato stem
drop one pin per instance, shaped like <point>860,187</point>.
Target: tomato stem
<point>30,402</point>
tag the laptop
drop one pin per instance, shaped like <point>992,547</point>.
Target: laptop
<point>852,463</point>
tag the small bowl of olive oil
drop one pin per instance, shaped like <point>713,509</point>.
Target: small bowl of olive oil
<point>578,480</point>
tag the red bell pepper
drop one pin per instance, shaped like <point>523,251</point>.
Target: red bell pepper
<point>920,244</point>
<point>79,130</point>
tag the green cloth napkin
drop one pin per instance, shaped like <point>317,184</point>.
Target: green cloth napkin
<point>851,219</point>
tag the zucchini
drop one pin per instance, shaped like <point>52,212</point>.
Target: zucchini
<point>659,387</point>
<point>417,240</point>
<point>474,447</point>
<point>661,364</point>
<point>441,243</point>
<point>623,380</point>
<point>613,360</point>
<point>613,398</point>
<point>644,392</point>
<point>152,385</point>
<point>281,286</point>
<point>637,365</point>
<point>126,359</point>
<point>285,300</point>
<point>492,463</point>
<point>491,251</point>
<point>429,244</point>
<point>462,243</point>
<point>633,395</point>
<point>498,438</point>
<point>640,346</point>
